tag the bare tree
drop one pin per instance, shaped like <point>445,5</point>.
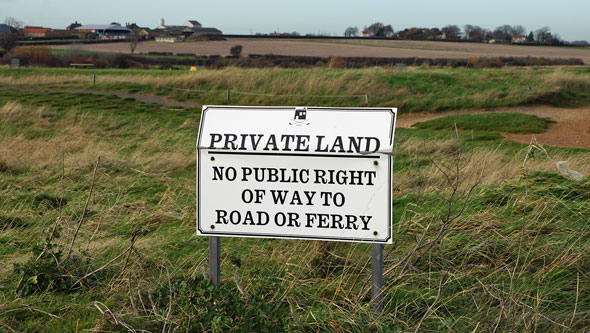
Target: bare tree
<point>518,30</point>
<point>474,32</point>
<point>133,38</point>
<point>543,34</point>
<point>380,30</point>
<point>351,32</point>
<point>13,23</point>
<point>452,31</point>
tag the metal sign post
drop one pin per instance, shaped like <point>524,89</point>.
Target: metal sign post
<point>377,277</point>
<point>214,260</point>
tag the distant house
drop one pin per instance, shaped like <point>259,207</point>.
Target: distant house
<point>32,31</point>
<point>367,33</point>
<point>190,27</point>
<point>73,26</point>
<point>147,34</point>
<point>105,31</point>
<point>192,24</point>
<point>519,39</point>
<point>164,37</point>
<point>5,29</point>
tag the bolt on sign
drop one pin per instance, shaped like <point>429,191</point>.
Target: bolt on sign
<point>296,173</point>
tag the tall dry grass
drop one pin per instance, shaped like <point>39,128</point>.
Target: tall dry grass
<point>77,142</point>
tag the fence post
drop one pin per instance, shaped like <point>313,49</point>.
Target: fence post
<point>228,97</point>
<point>214,262</point>
<point>377,277</point>
<point>93,78</point>
<point>367,99</point>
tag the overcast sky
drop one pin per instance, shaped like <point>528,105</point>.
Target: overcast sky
<point>568,18</point>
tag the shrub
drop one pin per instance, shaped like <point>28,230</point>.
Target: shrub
<point>336,62</point>
<point>34,55</point>
<point>236,50</point>
<point>473,62</point>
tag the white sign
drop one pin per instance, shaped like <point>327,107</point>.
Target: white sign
<point>298,173</point>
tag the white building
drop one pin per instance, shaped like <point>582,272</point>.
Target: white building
<point>192,24</point>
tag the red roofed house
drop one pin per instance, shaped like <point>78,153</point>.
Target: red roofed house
<point>31,31</point>
<point>518,39</point>
<point>367,33</point>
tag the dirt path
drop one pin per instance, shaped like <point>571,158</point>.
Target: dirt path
<point>140,97</point>
<point>570,130</point>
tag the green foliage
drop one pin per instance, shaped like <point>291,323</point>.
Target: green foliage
<point>493,122</point>
<point>411,90</point>
<point>236,50</point>
<point>43,272</point>
<point>205,307</point>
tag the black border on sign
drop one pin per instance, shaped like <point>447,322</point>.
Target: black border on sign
<point>264,235</point>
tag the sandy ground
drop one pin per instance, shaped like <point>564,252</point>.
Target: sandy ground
<point>344,48</point>
<point>571,129</point>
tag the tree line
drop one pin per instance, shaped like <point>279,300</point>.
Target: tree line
<point>454,32</point>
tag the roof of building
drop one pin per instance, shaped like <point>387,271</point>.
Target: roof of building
<point>4,29</point>
<point>73,25</point>
<point>35,29</point>
<point>193,22</point>
<point>204,30</point>
<point>111,27</point>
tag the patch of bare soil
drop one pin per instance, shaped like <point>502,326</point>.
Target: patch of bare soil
<point>570,130</point>
<point>344,48</point>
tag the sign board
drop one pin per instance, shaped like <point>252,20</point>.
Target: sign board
<point>15,63</point>
<point>296,173</point>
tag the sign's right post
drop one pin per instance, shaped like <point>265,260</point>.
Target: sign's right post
<point>377,277</point>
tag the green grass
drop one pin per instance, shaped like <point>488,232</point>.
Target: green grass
<point>516,259</point>
<point>411,90</point>
<point>491,122</point>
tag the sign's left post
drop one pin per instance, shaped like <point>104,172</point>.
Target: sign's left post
<point>214,260</point>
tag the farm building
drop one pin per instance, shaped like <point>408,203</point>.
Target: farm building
<point>73,26</point>
<point>168,38</point>
<point>519,39</point>
<point>192,24</point>
<point>190,27</point>
<point>5,29</point>
<point>367,33</point>
<point>207,31</point>
<point>112,31</point>
<point>32,31</point>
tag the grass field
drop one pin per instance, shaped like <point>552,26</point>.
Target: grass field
<point>412,89</point>
<point>112,179</point>
<point>494,122</point>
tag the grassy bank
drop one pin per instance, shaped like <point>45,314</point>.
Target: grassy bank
<point>515,260</point>
<point>413,89</point>
<point>504,122</point>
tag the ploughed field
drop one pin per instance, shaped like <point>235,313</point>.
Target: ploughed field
<point>97,207</point>
<point>344,48</point>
